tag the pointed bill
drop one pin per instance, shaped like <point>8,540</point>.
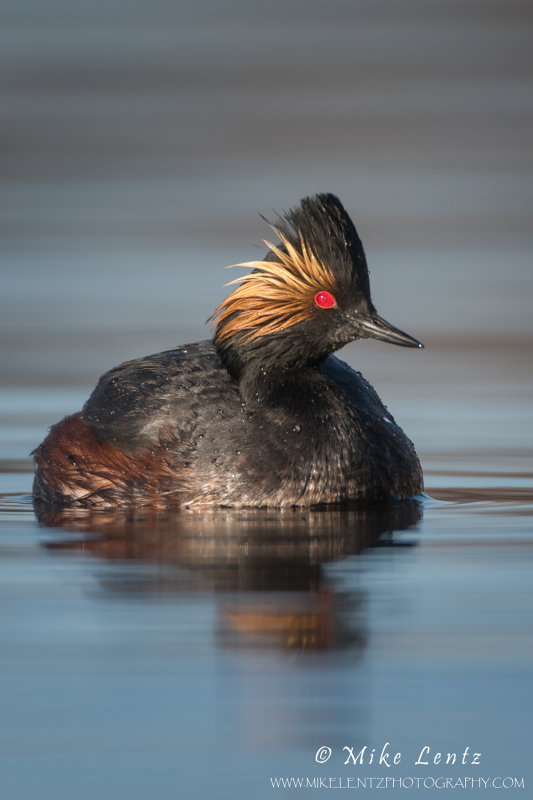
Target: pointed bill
<point>375,327</point>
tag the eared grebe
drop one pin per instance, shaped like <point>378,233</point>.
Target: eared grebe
<point>263,415</point>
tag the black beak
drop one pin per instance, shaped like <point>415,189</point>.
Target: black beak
<point>377,328</point>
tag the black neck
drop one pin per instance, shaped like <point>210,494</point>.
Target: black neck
<point>264,372</point>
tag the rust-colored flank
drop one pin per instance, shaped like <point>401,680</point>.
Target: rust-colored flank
<point>75,464</point>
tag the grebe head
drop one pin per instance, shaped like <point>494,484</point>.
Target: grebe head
<point>309,297</point>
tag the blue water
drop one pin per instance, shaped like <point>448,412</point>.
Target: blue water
<point>208,655</point>
<point>202,655</point>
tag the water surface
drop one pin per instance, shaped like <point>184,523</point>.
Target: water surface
<point>199,655</point>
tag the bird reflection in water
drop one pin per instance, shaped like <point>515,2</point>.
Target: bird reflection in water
<point>268,566</point>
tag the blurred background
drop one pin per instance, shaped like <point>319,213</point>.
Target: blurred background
<point>139,143</point>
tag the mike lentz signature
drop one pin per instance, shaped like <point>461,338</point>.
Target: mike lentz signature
<point>385,757</point>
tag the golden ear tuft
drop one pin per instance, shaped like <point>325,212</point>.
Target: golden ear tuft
<point>276,295</point>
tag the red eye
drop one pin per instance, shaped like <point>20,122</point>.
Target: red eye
<point>325,300</point>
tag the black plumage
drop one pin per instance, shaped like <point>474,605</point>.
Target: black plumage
<point>264,415</point>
